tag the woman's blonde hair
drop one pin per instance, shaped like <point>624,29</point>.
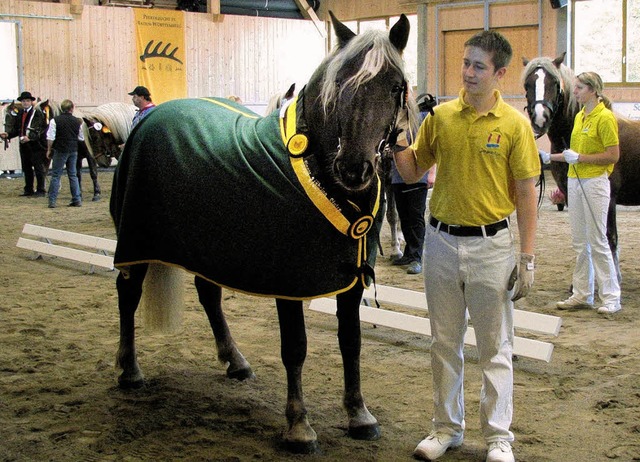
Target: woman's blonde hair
<point>594,81</point>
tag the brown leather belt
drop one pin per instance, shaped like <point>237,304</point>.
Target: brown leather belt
<point>465,231</point>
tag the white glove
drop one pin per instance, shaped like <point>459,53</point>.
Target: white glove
<point>544,156</point>
<point>570,156</point>
<point>522,275</point>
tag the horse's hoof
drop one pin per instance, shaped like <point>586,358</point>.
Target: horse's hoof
<point>130,381</point>
<point>301,447</point>
<point>130,384</point>
<point>365,432</point>
<point>96,197</point>
<point>241,374</point>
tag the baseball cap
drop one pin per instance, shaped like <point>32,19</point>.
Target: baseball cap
<point>140,91</point>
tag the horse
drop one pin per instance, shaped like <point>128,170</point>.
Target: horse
<point>552,109</point>
<point>196,189</point>
<point>111,125</point>
<point>8,114</point>
<point>51,108</point>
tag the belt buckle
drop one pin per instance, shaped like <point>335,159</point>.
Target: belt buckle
<point>452,227</point>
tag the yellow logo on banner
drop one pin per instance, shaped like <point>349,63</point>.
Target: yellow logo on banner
<point>161,53</point>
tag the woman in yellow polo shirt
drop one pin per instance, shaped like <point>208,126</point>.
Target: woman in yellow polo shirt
<point>594,151</point>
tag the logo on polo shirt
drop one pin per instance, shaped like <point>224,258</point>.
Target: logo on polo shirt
<point>493,142</point>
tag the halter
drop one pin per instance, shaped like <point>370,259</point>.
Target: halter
<point>391,134</point>
<point>552,106</point>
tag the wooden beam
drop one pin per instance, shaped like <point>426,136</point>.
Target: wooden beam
<point>76,6</point>
<point>308,13</point>
<point>213,7</point>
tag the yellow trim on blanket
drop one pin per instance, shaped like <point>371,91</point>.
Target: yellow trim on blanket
<point>123,268</point>
<point>232,108</point>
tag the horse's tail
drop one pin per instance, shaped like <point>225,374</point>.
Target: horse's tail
<point>162,298</point>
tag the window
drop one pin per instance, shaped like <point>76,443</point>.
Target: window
<point>606,39</point>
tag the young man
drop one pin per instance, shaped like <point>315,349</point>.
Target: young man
<point>30,128</point>
<point>487,167</point>
<point>62,145</point>
<point>142,100</point>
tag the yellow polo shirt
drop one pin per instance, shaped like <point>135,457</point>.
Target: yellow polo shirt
<point>478,158</point>
<point>591,135</point>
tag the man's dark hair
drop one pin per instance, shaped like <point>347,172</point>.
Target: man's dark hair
<point>493,42</point>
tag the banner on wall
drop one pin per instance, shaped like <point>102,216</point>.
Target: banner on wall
<point>161,53</point>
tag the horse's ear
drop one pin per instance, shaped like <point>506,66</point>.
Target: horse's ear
<point>525,61</point>
<point>343,33</point>
<point>290,92</point>
<point>559,60</point>
<point>399,33</point>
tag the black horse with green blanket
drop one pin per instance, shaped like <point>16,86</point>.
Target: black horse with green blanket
<point>281,206</point>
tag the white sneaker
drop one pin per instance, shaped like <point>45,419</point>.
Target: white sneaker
<point>436,444</point>
<point>610,308</point>
<point>500,451</point>
<point>573,303</point>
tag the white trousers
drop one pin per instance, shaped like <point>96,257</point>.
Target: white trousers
<point>588,209</point>
<point>471,273</point>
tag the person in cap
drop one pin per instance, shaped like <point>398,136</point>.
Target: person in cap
<point>142,100</point>
<point>31,130</point>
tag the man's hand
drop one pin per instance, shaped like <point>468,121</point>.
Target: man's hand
<point>522,277</point>
<point>544,156</point>
<point>570,156</point>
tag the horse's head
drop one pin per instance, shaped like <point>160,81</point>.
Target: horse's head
<point>10,114</point>
<point>544,86</point>
<point>107,128</point>
<point>355,98</point>
<point>101,142</point>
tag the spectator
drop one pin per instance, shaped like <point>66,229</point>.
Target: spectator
<point>142,100</point>
<point>62,138</point>
<point>31,130</point>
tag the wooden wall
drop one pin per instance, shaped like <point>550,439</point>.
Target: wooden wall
<point>90,58</point>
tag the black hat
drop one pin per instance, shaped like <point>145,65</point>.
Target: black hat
<point>25,95</point>
<point>140,91</point>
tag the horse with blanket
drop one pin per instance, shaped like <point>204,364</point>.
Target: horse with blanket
<point>280,206</point>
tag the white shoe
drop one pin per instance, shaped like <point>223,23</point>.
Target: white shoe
<point>436,444</point>
<point>610,308</point>
<point>573,303</point>
<point>500,451</point>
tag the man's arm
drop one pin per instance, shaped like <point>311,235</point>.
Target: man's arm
<point>51,136</point>
<point>407,164</point>
<point>527,213</point>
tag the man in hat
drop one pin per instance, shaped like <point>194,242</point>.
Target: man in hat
<point>30,129</point>
<point>142,100</point>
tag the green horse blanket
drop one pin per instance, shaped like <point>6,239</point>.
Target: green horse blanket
<point>209,186</point>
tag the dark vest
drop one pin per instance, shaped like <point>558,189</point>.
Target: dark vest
<point>67,130</point>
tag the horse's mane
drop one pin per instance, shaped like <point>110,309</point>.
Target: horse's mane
<point>564,75</point>
<point>56,110</point>
<point>380,53</point>
<point>116,116</point>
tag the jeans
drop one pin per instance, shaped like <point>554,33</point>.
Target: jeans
<point>411,203</point>
<point>60,159</point>
<point>589,199</point>
<point>471,274</point>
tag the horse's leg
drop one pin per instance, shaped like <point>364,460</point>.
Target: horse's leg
<point>210,296</point>
<point>93,171</point>
<point>362,424</point>
<point>299,437</point>
<point>612,236</point>
<point>129,292</point>
<point>394,222</point>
